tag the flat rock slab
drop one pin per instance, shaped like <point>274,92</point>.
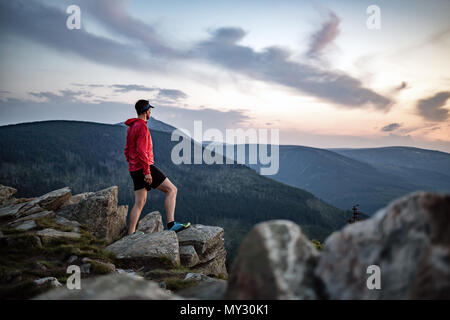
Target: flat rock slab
<point>111,287</point>
<point>147,250</point>
<point>48,234</point>
<point>11,210</point>
<point>25,225</point>
<point>50,201</point>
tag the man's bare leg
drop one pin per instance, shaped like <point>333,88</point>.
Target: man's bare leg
<point>140,197</point>
<point>171,197</point>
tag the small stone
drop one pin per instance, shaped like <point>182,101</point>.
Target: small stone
<point>85,268</point>
<point>72,259</point>
<point>25,226</point>
<point>50,281</point>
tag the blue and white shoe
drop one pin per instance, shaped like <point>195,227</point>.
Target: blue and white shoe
<point>177,227</point>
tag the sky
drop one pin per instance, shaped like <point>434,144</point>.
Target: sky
<point>312,69</point>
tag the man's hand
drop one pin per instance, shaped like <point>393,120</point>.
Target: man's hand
<point>148,178</point>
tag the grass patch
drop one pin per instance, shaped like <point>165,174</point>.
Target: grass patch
<point>49,223</point>
<point>175,284</point>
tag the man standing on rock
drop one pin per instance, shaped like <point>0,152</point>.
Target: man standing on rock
<point>145,175</point>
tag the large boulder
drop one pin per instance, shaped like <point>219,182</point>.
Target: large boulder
<point>151,250</point>
<point>152,222</point>
<point>275,261</point>
<point>202,248</point>
<point>6,193</point>
<point>410,243</point>
<point>111,287</point>
<point>99,212</point>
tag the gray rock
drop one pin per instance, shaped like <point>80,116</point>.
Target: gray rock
<point>11,210</point>
<point>152,222</point>
<point>208,243</point>
<point>6,193</point>
<point>206,290</point>
<point>201,237</point>
<point>99,212</point>
<point>75,199</point>
<point>198,277</point>
<point>188,256</point>
<point>47,235</point>
<point>275,261</point>
<point>111,287</point>
<point>25,225</point>
<point>21,241</point>
<point>99,267</point>
<point>85,268</point>
<point>49,281</point>
<point>410,242</point>
<point>40,214</point>
<point>72,259</point>
<point>216,266</point>
<point>75,225</point>
<point>147,250</point>
<point>50,201</point>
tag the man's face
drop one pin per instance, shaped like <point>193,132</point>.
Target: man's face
<point>147,115</point>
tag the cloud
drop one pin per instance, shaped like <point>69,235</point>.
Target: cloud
<point>68,105</point>
<point>272,64</point>
<point>324,36</point>
<point>46,25</point>
<point>432,108</point>
<point>123,88</point>
<point>115,17</point>
<point>391,127</point>
<point>171,95</point>
<point>403,85</point>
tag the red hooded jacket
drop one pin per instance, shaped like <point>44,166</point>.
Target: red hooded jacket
<point>139,147</point>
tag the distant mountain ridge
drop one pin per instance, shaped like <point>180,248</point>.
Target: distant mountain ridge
<point>43,156</point>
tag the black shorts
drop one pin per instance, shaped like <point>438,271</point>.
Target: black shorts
<point>138,178</point>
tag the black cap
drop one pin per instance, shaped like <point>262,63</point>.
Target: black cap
<point>142,106</point>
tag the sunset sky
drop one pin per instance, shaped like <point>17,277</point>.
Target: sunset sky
<point>311,69</point>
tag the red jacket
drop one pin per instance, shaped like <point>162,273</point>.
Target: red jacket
<point>139,147</point>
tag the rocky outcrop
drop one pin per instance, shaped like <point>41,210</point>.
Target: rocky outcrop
<point>202,248</point>
<point>409,241</point>
<point>112,287</point>
<point>275,261</point>
<point>151,250</point>
<point>99,212</point>
<point>51,231</point>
